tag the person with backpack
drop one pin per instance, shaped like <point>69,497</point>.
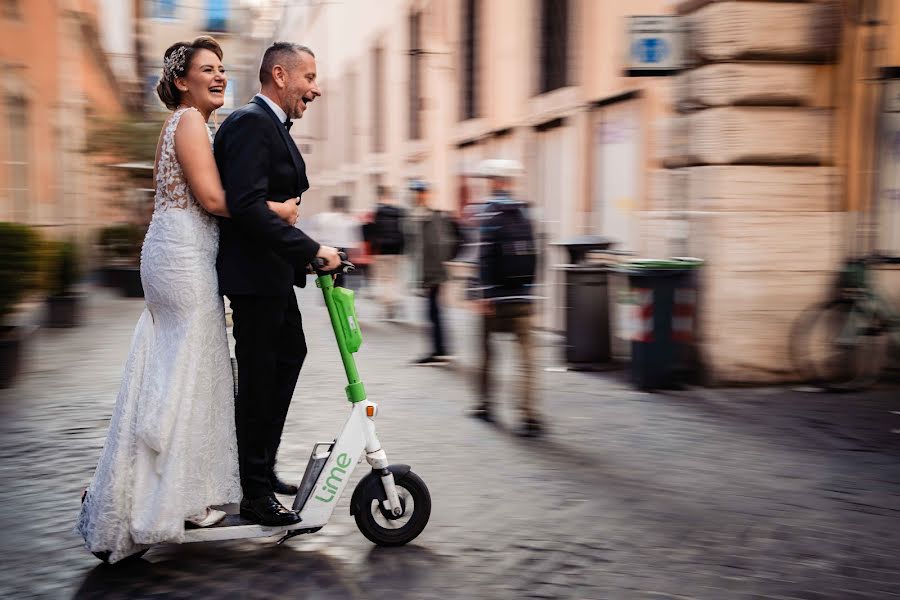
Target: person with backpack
<point>439,240</point>
<point>388,243</point>
<point>507,261</point>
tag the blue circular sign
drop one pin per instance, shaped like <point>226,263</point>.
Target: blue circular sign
<point>650,50</point>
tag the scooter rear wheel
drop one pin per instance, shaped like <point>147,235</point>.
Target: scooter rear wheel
<point>383,528</point>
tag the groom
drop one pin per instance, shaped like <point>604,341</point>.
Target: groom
<point>260,259</point>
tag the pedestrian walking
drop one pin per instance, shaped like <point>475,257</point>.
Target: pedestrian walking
<point>338,228</point>
<point>507,259</point>
<point>439,241</point>
<point>388,239</point>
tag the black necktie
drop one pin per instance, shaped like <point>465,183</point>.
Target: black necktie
<point>288,123</point>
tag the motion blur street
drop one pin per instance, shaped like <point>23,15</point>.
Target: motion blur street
<point>716,493</point>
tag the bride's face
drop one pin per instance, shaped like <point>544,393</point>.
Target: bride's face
<point>204,83</point>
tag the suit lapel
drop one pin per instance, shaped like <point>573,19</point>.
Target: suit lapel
<point>299,165</point>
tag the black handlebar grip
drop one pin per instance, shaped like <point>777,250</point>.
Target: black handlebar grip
<point>318,264</point>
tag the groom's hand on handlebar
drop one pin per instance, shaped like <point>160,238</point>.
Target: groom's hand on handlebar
<point>330,256</point>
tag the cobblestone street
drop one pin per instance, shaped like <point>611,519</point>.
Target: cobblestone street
<point>712,494</point>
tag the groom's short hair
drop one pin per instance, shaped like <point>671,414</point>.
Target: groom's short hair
<point>279,53</point>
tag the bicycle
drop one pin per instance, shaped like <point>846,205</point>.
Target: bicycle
<point>842,344</point>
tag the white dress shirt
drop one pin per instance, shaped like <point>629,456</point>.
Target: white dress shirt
<point>279,112</point>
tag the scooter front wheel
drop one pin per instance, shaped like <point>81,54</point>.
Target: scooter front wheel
<point>385,529</point>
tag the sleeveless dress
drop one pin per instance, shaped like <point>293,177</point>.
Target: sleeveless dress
<point>170,450</point>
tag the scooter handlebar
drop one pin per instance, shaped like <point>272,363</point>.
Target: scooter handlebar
<point>317,266</point>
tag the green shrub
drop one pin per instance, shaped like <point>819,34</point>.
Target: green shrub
<point>19,262</point>
<point>62,270</point>
<point>122,241</point>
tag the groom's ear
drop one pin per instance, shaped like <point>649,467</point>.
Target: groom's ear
<point>279,75</point>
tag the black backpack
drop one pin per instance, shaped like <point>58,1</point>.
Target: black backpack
<point>388,229</point>
<point>516,250</point>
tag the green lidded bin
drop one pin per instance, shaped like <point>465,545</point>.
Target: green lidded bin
<point>664,320</point>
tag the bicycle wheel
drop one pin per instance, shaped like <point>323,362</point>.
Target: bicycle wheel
<point>839,345</point>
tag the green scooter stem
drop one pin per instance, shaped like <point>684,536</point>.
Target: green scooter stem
<point>356,392</point>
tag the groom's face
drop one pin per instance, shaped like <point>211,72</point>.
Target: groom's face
<point>300,85</point>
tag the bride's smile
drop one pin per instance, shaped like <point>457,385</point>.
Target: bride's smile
<point>203,84</point>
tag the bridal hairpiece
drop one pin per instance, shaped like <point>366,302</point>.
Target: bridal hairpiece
<point>174,63</point>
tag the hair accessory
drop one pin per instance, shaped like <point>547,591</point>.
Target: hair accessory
<point>173,65</point>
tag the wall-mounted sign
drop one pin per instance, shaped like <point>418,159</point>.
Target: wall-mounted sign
<point>655,46</point>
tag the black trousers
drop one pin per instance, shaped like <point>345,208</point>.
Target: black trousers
<point>439,344</point>
<point>270,348</point>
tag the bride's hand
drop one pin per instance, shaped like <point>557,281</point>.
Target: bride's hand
<point>287,210</point>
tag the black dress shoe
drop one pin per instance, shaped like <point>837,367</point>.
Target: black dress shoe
<point>268,511</point>
<point>281,487</point>
<point>483,412</point>
<point>531,428</point>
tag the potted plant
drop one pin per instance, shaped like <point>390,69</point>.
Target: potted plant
<point>63,302</point>
<point>121,248</point>
<point>18,273</point>
<point>127,148</point>
<point>106,243</point>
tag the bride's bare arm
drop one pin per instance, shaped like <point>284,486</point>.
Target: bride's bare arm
<point>196,158</point>
<point>199,166</point>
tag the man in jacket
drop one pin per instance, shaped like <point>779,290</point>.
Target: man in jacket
<point>507,259</point>
<point>438,242</point>
<point>388,245</point>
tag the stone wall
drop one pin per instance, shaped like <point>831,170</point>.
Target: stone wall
<point>749,184</point>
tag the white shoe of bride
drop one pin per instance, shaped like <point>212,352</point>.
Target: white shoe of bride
<point>207,519</point>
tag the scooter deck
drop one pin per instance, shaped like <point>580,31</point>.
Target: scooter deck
<point>236,527</point>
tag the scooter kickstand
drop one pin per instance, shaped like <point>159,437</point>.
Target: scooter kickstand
<point>294,533</point>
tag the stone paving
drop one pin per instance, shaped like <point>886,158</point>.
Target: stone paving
<point>712,494</point>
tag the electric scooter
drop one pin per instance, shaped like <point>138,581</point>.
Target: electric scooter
<point>391,504</point>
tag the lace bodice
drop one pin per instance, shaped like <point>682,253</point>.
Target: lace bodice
<point>172,190</point>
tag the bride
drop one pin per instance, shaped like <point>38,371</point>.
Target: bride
<point>170,452</point>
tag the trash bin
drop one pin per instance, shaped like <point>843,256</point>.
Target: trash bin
<point>578,247</point>
<point>665,298</point>
<point>587,316</point>
<point>586,301</point>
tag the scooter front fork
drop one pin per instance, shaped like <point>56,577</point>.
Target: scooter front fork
<point>377,459</point>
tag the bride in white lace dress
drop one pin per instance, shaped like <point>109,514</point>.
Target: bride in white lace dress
<point>171,452</point>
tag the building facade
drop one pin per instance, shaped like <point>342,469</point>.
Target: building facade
<point>239,26</point>
<point>56,81</point>
<point>758,158</point>
<point>427,89</point>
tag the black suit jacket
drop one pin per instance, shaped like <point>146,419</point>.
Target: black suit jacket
<point>259,254</point>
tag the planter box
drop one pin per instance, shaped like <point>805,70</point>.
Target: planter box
<point>12,342</point>
<point>128,281</point>
<point>64,311</point>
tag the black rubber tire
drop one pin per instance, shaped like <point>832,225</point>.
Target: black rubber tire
<point>410,487</point>
<point>835,353</point>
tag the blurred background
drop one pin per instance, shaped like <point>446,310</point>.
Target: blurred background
<point>715,190</point>
<point>760,138</point>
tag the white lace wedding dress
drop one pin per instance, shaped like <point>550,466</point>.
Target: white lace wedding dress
<point>170,451</point>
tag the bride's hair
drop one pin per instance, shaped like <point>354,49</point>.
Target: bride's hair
<point>176,62</point>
